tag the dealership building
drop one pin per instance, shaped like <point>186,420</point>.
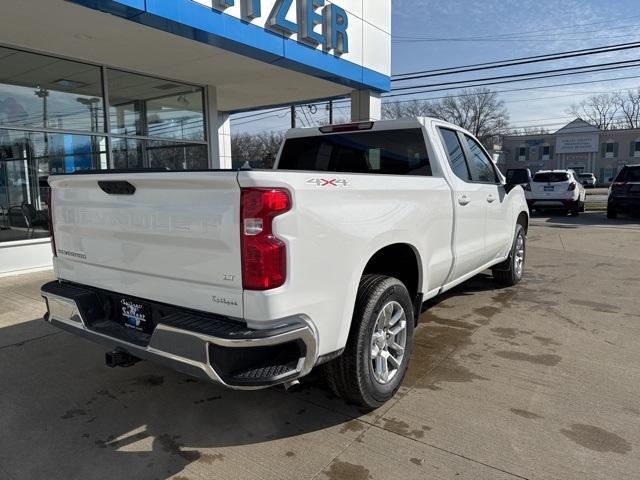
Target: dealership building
<point>150,84</point>
<point>578,145</point>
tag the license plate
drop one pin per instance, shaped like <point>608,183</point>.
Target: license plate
<point>135,315</point>
<point>548,189</point>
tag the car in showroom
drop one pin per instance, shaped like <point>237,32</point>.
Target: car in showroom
<point>624,192</point>
<point>557,190</point>
<point>588,180</point>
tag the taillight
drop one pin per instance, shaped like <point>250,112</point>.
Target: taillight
<point>50,221</point>
<point>572,186</point>
<point>264,256</point>
<point>618,184</point>
<point>527,187</point>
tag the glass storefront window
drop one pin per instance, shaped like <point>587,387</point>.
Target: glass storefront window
<point>151,107</point>
<point>127,153</point>
<point>26,161</point>
<point>142,153</point>
<point>38,91</point>
<point>52,121</point>
<point>177,156</point>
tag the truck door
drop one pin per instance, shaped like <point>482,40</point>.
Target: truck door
<point>470,207</point>
<point>497,231</point>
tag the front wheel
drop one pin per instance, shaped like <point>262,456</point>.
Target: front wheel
<point>511,270</point>
<point>611,213</point>
<point>371,368</point>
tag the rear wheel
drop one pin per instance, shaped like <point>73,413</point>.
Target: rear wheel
<point>511,270</point>
<point>611,213</point>
<point>375,359</point>
<point>575,208</point>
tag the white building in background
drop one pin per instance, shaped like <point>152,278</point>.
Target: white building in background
<point>578,145</point>
<point>150,84</point>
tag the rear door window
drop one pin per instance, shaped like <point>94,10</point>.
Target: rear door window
<point>551,177</point>
<point>390,152</point>
<point>455,154</point>
<point>485,172</point>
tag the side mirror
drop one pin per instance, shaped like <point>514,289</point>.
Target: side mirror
<point>508,186</point>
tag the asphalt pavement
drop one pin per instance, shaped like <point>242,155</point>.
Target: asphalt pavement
<point>538,381</point>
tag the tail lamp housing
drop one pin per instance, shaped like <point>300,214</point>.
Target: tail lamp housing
<point>264,256</point>
<point>572,186</point>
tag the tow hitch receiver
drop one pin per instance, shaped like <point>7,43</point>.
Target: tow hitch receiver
<point>120,358</point>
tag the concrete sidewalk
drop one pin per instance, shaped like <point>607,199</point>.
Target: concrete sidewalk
<point>537,381</point>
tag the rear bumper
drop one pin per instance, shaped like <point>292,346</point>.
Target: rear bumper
<point>220,349</point>
<point>551,203</point>
<point>631,205</point>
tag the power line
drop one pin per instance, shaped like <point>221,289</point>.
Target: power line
<point>521,80</point>
<point>541,73</point>
<point>514,62</point>
<point>513,40</point>
<point>518,34</point>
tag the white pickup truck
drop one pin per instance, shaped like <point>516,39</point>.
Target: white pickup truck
<point>252,278</point>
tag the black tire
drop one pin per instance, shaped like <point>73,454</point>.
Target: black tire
<point>611,213</point>
<point>582,207</point>
<point>506,273</point>
<point>351,375</point>
<point>574,209</point>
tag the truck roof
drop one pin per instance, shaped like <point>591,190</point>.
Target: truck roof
<point>400,123</point>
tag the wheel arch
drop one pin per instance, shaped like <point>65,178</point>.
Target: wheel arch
<point>523,219</point>
<point>398,260</point>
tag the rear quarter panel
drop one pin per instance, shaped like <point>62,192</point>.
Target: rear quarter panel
<point>332,232</point>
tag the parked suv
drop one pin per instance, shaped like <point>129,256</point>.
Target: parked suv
<point>588,180</point>
<point>557,190</point>
<point>624,193</point>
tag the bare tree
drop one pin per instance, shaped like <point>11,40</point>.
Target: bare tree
<point>628,104</point>
<point>412,108</point>
<point>530,131</point>
<point>261,148</point>
<point>599,110</point>
<point>478,110</point>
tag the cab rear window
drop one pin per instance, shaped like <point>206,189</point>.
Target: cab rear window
<point>390,152</point>
<point>551,177</point>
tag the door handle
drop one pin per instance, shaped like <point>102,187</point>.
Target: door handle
<point>464,200</point>
<point>491,198</point>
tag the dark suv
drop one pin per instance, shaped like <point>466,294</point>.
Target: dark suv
<point>624,194</point>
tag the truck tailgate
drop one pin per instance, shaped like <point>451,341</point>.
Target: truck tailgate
<point>176,239</point>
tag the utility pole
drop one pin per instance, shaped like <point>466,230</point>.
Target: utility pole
<point>293,116</point>
<point>330,112</point>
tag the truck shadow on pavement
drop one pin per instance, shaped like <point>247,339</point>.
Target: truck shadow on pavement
<point>150,422</point>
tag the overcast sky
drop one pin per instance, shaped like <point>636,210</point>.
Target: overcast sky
<point>429,34</point>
